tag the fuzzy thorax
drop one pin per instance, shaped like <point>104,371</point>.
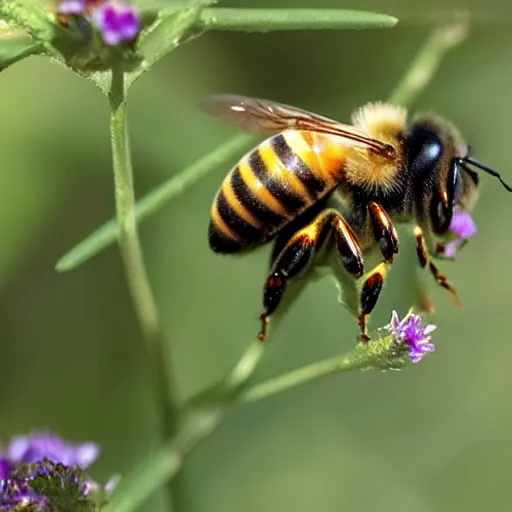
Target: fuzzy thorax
<point>386,123</point>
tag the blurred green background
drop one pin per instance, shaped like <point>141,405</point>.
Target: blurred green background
<point>433,437</point>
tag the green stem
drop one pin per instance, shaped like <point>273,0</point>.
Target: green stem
<point>331,366</point>
<point>245,368</point>
<point>262,20</point>
<point>127,235</point>
<point>131,252</point>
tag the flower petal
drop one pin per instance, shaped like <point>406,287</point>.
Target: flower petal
<point>39,446</point>
<point>412,335</point>
<point>5,468</point>
<point>116,21</point>
<point>72,6</point>
<point>463,225</point>
<point>112,37</point>
<point>395,320</point>
<point>429,329</point>
<point>450,249</point>
<point>86,454</point>
<point>18,447</point>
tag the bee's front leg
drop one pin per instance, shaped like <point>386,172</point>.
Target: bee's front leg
<point>386,235</point>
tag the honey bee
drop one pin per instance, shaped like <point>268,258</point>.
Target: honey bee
<point>380,169</point>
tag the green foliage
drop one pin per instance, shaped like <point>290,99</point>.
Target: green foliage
<point>206,411</point>
<point>15,49</point>
<point>166,27</point>
<point>114,70</point>
<point>30,17</point>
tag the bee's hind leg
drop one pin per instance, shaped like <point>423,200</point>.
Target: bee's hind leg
<point>296,256</point>
<point>370,292</point>
<point>386,235</point>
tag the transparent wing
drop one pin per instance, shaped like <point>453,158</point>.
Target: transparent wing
<point>259,115</point>
<point>269,117</point>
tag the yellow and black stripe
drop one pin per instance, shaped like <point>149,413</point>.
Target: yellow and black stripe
<point>270,186</point>
<point>314,185</point>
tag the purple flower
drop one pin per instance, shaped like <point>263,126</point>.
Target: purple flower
<point>72,6</point>
<point>117,21</point>
<point>5,468</point>
<point>43,487</point>
<point>464,227</point>
<point>39,446</point>
<point>16,495</point>
<point>77,6</point>
<point>412,335</point>
<point>42,472</point>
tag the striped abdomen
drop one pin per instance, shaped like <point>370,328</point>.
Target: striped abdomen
<point>272,185</point>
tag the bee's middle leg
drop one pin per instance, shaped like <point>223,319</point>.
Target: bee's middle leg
<point>386,235</point>
<point>297,255</point>
<point>425,260</point>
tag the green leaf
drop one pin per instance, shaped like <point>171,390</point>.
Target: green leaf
<point>158,5</point>
<point>155,200</point>
<point>13,50</point>
<point>171,29</point>
<point>177,25</point>
<point>30,16</point>
<point>263,20</point>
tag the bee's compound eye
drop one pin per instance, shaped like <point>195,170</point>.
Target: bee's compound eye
<point>424,149</point>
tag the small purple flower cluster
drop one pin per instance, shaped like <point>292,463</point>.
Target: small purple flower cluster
<point>47,456</point>
<point>52,447</point>
<point>116,20</point>
<point>410,333</point>
<point>17,493</point>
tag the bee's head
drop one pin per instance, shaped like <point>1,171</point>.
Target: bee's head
<point>440,165</point>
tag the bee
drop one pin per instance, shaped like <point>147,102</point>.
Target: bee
<point>381,170</point>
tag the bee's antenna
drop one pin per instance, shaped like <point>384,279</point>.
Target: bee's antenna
<point>469,161</point>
